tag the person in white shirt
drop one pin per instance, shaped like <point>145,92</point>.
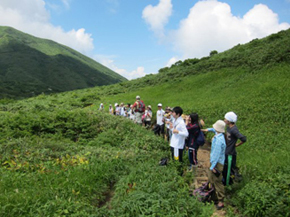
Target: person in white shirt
<point>132,114</point>
<point>160,120</point>
<point>179,133</point>
<point>168,119</point>
<point>148,116</point>
<point>122,110</point>
<point>111,110</point>
<point>117,109</point>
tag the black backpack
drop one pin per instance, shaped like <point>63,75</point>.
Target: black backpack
<point>200,140</point>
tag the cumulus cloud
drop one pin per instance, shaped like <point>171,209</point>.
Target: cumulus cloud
<point>157,16</point>
<point>211,25</point>
<point>31,16</point>
<point>172,61</point>
<point>109,62</point>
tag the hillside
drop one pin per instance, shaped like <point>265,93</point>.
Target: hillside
<point>30,66</point>
<point>61,156</point>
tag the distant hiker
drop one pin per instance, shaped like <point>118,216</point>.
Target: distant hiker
<point>168,119</point>
<point>139,109</point>
<point>193,127</point>
<point>128,110</point>
<point>148,116</point>
<point>117,109</point>
<point>132,113</point>
<point>160,120</point>
<point>233,135</point>
<point>217,159</point>
<point>122,110</point>
<point>101,108</point>
<point>111,110</point>
<point>179,133</point>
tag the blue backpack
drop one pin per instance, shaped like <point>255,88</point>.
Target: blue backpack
<point>200,140</point>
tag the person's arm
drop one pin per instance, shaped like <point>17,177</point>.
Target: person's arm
<point>182,131</point>
<point>241,137</point>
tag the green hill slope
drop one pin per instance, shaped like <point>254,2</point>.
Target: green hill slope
<point>90,163</point>
<point>30,66</point>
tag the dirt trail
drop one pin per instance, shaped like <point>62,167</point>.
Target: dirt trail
<point>203,156</point>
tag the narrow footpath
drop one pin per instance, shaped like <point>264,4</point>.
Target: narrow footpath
<point>203,156</point>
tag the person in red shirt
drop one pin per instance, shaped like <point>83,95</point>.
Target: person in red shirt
<point>139,109</point>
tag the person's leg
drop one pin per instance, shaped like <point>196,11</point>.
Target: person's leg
<point>225,170</point>
<point>190,156</point>
<point>219,186</point>
<point>195,157</point>
<point>162,130</point>
<point>180,155</point>
<point>172,152</point>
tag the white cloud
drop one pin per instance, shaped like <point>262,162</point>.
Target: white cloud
<point>172,61</point>
<point>210,25</point>
<point>109,62</point>
<point>30,16</point>
<point>66,3</point>
<point>157,16</point>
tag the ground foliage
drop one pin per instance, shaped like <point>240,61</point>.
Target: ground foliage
<point>60,156</point>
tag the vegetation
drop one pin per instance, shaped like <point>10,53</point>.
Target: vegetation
<point>30,66</point>
<point>60,156</point>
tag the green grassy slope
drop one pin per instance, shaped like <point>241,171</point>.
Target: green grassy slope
<point>122,176</point>
<point>30,66</point>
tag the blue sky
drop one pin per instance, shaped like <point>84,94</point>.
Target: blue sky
<point>138,37</point>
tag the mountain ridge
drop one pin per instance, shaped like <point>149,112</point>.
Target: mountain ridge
<point>37,60</point>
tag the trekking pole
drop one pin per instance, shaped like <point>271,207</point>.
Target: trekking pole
<point>230,157</point>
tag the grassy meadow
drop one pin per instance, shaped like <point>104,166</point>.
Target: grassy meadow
<point>60,156</point>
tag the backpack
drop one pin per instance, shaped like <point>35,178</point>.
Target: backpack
<point>163,161</point>
<point>200,140</point>
<point>203,193</point>
<point>140,106</point>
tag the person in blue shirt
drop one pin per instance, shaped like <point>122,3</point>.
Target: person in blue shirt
<point>217,159</point>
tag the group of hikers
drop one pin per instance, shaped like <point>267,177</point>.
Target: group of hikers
<point>182,132</point>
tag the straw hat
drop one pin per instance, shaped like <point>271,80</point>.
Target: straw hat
<point>219,126</point>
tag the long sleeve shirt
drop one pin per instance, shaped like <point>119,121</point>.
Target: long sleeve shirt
<point>218,148</point>
<point>233,134</point>
<point>177,139</point>
<point>193,131</point>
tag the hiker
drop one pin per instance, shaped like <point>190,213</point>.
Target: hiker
<point>193,127</point>
<point>179,133</point>
<point>131,114</point>
<point>160,120</point>
<point>233,135</point>
<point>111,110</point>
<point>101,107</point>
<point>139,109</point>
<point>122,110</point>
<point>117,109</point>
<point>217,159</point>
<point>128,110</point>
<point>168,119</point>
<point>148,116</point>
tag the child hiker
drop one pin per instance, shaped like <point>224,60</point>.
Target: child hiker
<point>192,125</point>
<point>233,135</point>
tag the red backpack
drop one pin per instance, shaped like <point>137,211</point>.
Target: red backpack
<point>140,106</point>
